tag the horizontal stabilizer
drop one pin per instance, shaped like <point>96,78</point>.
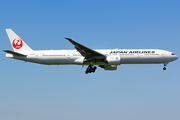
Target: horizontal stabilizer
<point>14,53</point>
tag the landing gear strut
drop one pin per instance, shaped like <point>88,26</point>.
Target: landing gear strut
<point>90,69</point>
<point>165,66</point>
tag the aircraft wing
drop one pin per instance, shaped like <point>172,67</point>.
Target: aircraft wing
<point>86,52</point>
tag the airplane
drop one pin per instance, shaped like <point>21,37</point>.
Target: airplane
<point>108,59</point>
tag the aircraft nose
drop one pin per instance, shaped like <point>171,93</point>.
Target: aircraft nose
<point>175,57</point>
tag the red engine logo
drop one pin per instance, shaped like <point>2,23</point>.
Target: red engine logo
<point>17,43</point>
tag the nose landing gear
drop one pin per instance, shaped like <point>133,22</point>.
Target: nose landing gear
<point>90,69</point>
<point>164,68</point>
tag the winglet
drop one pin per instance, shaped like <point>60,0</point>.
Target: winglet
<point>67,38</point>
<point>70,40</point>
<point>74,43</point>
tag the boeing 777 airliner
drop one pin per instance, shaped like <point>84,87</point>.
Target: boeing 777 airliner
<point>108,59</point>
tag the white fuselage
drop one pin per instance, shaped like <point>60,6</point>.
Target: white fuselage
<point>127,56</point>
<point>108,59</point>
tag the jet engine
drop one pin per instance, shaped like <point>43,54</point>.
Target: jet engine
<point>79,61</point>
<point>113,60</point>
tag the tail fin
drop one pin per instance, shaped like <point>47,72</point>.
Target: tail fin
<point>17,43</point>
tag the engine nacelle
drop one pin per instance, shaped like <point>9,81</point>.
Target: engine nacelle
<point>79,61</point>
<point>110,67</point>
<point>113,60</point>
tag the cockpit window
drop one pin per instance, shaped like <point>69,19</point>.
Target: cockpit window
<point>172,54</point>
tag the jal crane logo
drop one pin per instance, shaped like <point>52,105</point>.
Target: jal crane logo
<point>17,43</point>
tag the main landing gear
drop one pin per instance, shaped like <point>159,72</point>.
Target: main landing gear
<point>164,68</point>
<point>90,69</point>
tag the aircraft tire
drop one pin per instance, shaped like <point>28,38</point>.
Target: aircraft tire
<point>95,67</point>
<point>164,68</point>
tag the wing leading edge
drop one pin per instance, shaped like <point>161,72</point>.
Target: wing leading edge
<point>86,52</point>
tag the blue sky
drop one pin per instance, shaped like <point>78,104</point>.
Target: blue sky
<point>32,91</point>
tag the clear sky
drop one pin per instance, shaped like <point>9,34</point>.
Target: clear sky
<point>31,91</point>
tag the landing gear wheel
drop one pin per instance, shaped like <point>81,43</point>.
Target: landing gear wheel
<point>93,70</point>
<point>95,67</point>
<point>164,68</point>
<point>90,69</point>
